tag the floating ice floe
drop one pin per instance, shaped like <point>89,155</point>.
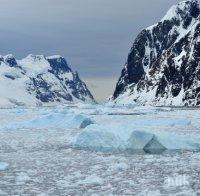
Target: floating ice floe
<point>22,178</point>
<point>54,120</point>
<point>107,138</point>
<point>126,110</point>
<point>3,166</point>
<point>145,141</point>
<point>99,139</point>
<point>161,122</point>
<point>92,180</point>
<point>117,167</point>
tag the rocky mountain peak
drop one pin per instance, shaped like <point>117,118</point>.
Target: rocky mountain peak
<point>40,80</point>
<point>183,11</point>
<point>163,65</point>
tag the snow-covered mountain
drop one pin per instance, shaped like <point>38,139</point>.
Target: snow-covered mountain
<point>163,66</point>
<point>39,80</point>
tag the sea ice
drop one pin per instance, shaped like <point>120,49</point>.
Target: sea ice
<point>121,166</point>
<point>69,171</point>
<point>145,141</point>
<point>93,180</point>
<point>162,122</point>
<point>22,178</point>
<point>154,146</point>
<point>99,140</point>
<point>3,166</point>
<point>108,138</point>
<point>54,120</point>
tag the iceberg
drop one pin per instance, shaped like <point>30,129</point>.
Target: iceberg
<point>54,120</point>
<point>154,146</point>
<point>104,138</point>
<point>144,141</point>
<point>98,139</point>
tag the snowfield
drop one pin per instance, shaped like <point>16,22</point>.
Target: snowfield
<point>88,149</point>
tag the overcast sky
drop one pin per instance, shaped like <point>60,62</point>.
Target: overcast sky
<point>95,36</point>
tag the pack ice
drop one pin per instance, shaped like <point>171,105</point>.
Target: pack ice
<point>111,128</point>
<point>3,166</point>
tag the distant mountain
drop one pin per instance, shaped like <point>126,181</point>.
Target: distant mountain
<point>163,66</point>
<point>40,80</point>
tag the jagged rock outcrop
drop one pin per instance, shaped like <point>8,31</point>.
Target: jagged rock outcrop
<point>163,66</point>
<point>40,80</point>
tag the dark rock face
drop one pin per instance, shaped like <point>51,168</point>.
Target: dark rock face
<point>163,66</point>
<point>58,65</point>
<point>9,60</point>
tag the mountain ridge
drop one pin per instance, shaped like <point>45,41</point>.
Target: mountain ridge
<point>163,65</point>
<point>40,80</point>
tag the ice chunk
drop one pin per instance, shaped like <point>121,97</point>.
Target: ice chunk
<point>42,194</point>
<point>80,121</point>
<point>98,139</point>
<point>55,120</point>
<point>22,178</point>
<point>119,167</point>
<point>162,122</point>
<point>86,122</point>
<point>3,193</point>
<point>108,138</point>
<point>148,142</point>
<point>154,146</point>
<point>138,140</point>
<point>3,166</point>
<point>91,180</point>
